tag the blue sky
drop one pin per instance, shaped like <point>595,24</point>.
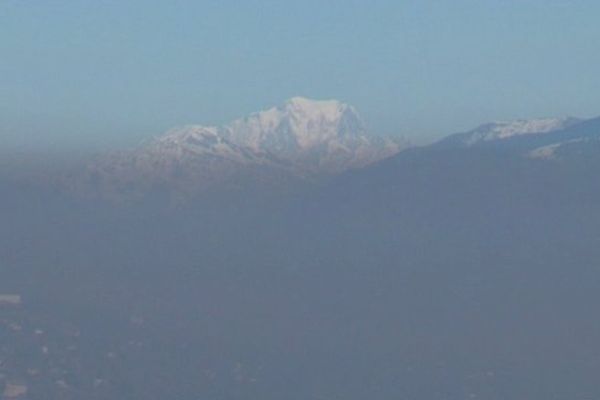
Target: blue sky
<point>88,73</point>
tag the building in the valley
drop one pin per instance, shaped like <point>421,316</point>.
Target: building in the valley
<point>10,299</point>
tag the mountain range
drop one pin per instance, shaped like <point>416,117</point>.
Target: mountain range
<point>462,269</point>
<point>301,141</point>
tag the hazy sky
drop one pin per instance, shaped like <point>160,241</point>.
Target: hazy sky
<point>76,72</point>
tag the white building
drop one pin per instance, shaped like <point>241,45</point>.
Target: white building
<point>10,299</point>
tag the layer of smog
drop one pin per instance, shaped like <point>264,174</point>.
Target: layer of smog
<point>299,249</point>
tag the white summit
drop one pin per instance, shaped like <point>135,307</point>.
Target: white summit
<point>312,135</point>
<point>507,129</point>
<point>298,125</point>
<point>300,138</point>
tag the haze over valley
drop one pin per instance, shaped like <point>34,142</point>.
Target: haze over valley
<point>299,200</point>
<point>291,255</point>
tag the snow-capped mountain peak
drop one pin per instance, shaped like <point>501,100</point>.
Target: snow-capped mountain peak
<point>301,138</point>
<point>297,126</point>
<point>190,137</point>
<point>506,129</point>
<point>499,130</point>
<point>292,131</point>
<point>320,136</point>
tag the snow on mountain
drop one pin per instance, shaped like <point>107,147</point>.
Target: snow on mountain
<point>192,142</point>
<point>301,138</point>
<point>308,135</point>
<point>297,126</point>
<point>578,148</point>
<point>320,136</point>
<point>183,161</point>
<point>507,129</point>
